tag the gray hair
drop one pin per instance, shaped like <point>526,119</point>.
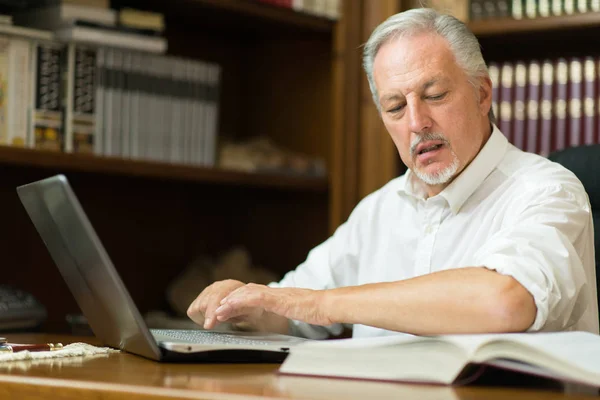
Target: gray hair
<point>463,43</point>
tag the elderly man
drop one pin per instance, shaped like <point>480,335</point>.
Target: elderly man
<point>477,236</point>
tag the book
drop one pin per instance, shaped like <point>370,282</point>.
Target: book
<point>56,17</point>
<point>106,37</point>
<point>569,357</point>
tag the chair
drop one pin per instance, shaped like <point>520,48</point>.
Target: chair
<point>584,162</point>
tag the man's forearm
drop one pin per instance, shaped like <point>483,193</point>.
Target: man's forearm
<point>453,301</point>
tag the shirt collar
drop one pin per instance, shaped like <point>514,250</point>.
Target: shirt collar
<point>465,184</point>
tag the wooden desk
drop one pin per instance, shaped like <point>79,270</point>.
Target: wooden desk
<point>122,375</point>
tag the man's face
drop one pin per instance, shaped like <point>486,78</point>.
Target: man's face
<point>435,116</point>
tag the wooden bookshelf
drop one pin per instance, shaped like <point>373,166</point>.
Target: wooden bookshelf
<point>247,14</point>
<point>262,11</point>
<point>149,169</point>
<point>285,76</point>
<point>503,26</point>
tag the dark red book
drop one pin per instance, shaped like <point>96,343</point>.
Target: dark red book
<point>546,108</point>
<point>518,135</point>
<point>506,94</point>
<point>559,120</point>
<point>590,96</point>
<point>533,107</point>
<point>575,102</point>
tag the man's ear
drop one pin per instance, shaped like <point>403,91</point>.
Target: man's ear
<point>485,95</point>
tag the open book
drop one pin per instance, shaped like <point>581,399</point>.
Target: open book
<point>449,359</point>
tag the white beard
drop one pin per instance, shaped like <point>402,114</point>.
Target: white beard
<point>439,177</point>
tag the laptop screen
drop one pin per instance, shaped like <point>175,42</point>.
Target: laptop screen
<point>85,266</point>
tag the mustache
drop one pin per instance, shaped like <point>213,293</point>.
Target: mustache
<point>424,138</point>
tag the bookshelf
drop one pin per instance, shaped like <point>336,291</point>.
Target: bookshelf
<point>29,158</point>
<point>285,76</point>
<point>503,26</point>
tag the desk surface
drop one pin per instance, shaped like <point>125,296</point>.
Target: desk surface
<point>123,375</point>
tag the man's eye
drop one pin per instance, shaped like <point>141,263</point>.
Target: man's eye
<point>396,109</point>
<point>437,97</point>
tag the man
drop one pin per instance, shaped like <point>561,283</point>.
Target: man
<point>477,236</point>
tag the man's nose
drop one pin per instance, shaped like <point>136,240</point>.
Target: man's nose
<point>419,117</point>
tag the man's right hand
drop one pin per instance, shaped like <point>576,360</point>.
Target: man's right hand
<point>202,310</point>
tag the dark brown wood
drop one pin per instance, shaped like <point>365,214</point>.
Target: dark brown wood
<point>503,26</point>
<point>153,228</point>
<point>149,169</point>
<point>245,11</point>
<point>122,375</point>
<point>346,97</point>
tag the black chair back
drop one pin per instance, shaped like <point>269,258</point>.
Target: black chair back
<point>584,162</point>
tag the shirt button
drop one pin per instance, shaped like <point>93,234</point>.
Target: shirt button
<point>428,229</point>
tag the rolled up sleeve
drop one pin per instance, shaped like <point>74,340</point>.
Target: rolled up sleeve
<point>545,247</point>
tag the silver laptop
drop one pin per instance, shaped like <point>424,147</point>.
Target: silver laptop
<point>100,293</point>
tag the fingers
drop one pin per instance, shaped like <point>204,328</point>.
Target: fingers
<point>212,304</point>
<point>202,309</point>
<point>248,301</point>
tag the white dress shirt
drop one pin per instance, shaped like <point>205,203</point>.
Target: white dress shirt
<point>513,212</point>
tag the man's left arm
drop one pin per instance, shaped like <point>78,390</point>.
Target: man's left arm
<point>530,275</point>
<point>453,301</point>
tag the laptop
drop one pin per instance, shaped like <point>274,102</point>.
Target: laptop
<point>100,293</point>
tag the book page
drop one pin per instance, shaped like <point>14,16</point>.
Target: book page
<point>565,355</point>
<point>368,342</point>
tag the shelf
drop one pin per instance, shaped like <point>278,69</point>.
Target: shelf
<point>497,27</point>
<point>247,15</point>
<point>64,162</point>
<point>263,11</point>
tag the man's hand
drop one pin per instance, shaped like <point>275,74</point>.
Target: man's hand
<point>202,310</point>
<point>252,301</point>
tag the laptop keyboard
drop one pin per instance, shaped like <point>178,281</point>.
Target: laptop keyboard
<point>204,337</point>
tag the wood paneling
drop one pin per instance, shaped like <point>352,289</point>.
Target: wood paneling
<point>378,156</point>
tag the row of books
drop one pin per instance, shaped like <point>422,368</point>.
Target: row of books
<point>108,101</point>
<point>125,28</point>
<point>322,8</point>
<point>519,9</point>
<point>546,105</point>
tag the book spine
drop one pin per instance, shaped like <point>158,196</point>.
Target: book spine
<point>107,103</point>
<point>569,7</point>
<point>214,73</point>
<point>560,105</point>
<point>489,9</point>
<point>582,6</point>
<point>117,105</point>
<point>519,105</point>
<point>589,108</point>
<point>84,104</point>
<point>557,8</point>
<point>575,102</point>
<point>134,87</point>
<point>99,100</point>
<point>476,10</point>
<point>518,11</point>
<point>546,108</point>
<point>544,8</point>
<point>533,100</point>
<point>506,94</point>
<point>531,9</point>
<point>494,72</point>
<point>68,82</point>
<point>126,106</point>
<point>19,106</point>
<point>48,121</point>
